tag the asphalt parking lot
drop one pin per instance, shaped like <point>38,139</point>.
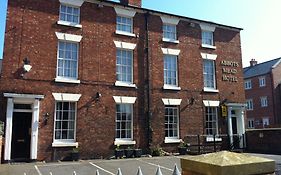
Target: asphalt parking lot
<point>106,167</point>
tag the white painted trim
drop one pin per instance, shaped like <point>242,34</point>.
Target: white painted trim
<point>125,84</point>
<point>273,67</point>
<point>211,103</point>
<point>170,20</point>
<point>66,23</point>
<point>124,45</point>
<point>68,37</point>
<point>207,27</point>
<point>124,100</point>
<point>31,96</point>
<point>124,12</point>
<point>206,89</point>
<point>9,126</point>
<point>209,56</point>
<point>125,33</point>
<point>77,3</point>
<point>168,51</point>
<point>65,144</point>
<point>34,128</point>
<point>66,97</point>
<point>169,87</point>
<point>208,46</point>
<point>170,101</point>
<point>124,142</point>
<point>171,40</point>
<point>172,140</point>
<point>211,139</point>
<point>65,80</point>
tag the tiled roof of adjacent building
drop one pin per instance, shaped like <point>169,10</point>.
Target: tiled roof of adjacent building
<point>260,69</point>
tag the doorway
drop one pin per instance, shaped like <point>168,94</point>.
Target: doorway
<point>21,136</point>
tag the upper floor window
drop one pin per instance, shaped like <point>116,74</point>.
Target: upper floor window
<point>262,81</point>
<point>209,72</point>
<point>250,105</point>
<point>264,102</point>
<point>69,14</point>
<point>67,57</point>
<point>170,70</point>
<point>124,65</point>
<point>124,21</point>
<point>169,32</point>
<point>248,84</point>
<point>124,24</point>
<point>207,35</point>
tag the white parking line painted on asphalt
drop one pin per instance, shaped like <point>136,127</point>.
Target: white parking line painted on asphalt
<point>101,168</point>
<point>155,165</point>
<point>37,169</point>
<point>60,164</point>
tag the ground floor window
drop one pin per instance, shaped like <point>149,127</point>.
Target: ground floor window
<point>171,122</point>
<point>65,121</point>
<point>124,121</point>
<point>211,120</point>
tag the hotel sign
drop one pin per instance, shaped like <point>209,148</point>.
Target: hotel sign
<point>229,70</point>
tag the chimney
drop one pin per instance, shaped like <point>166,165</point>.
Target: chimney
<point>136,3</point>
<point>253,62</point>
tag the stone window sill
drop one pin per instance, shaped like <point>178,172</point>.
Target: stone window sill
<point>125,84</point>
<point>172,140</point>
<point>208,46</point>
<point>124,142</point>
<point>171,40</point>
<point>64,80</point>
<point>65,23</point>
<point>211,139</point>
<point>118,32</point>
<point>211,90</point>
<point>65,144</point>
<point>168,87</point>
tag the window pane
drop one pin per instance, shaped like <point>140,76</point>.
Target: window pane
<point>124,65</point>
<point>171,121</point>
<point>170,70</point>
<point>124,121</point>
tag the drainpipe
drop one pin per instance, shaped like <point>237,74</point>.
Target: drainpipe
<point>148,82</point>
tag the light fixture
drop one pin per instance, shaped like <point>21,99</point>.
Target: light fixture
<point>98,95</point>
<point>26,65</point>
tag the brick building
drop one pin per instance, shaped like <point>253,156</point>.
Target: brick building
<point>262,89</point>
<point>96,74</point>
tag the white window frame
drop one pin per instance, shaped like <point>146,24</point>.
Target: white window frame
<point>71,39</point>
<point>251,123</point>
<point>250,104</point>
<point>265,121</point>
<point>248,84</point>
<point>169,21</point>
<point>207,28</point>
<point>65,97</point>
<point>212,121</point>
<point>74,4</point>
<point>174,58</point>
<point>130,47</point>
<point>122,65</point>
<point>262,81</point>
<point>172,139</point>
<point>129,101</point>
<point>125,13</point>
<point>264,101</point>
<point>210,57</point>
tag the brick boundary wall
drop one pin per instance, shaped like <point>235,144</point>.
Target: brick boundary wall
<point>266,140</point>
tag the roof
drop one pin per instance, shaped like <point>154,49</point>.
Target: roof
<point>169,14</point>
<point>260,69</point>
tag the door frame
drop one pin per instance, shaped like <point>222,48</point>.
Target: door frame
<point>34,100</point>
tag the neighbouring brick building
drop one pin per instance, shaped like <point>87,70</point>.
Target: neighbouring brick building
<point>262,89</point>
<point>96,74</point>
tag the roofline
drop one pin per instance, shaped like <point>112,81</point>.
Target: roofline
<point>276,64</point>
<point>145,10</point>
<point>266,62</point>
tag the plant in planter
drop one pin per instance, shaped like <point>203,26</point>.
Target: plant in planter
<point>129,152</point>
<point>157,151</point>
<point>75,155</point>
<point>182,148</point>
<point>137,152</point>
<point>119,153</point>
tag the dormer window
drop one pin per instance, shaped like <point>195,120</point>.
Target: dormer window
<point>207,35</point>
<point>69,14</point>
<point>169,29</point>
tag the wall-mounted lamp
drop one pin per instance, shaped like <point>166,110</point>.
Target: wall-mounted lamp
<point>98,96</point>
<point>191,101</point>
<point>46,118</point>
<point>26,65</point>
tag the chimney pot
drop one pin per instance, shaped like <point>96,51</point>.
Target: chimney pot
<point>136,3</point>
<point>253,62</point>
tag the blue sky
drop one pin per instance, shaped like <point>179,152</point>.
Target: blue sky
<point>259,18</point>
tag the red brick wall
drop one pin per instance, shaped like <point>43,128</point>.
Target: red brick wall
<point>255,93</point>
<point>30,32</point>
<point>264,140</point>
<point>137,3</point>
